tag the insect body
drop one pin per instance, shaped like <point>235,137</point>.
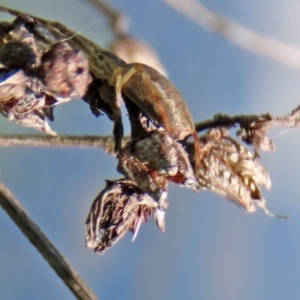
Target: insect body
<point>158,98</point>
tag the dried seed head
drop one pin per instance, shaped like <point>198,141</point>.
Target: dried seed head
<point>153,159</point>
<point>22,100</point>
<point>229,169</point>
<point>16,54</point>
<point>65,71</point>
<point>35,119</point>
<point>157,150</point>
<point>255,134</point>
<point>146,178</point>
<point>19,32</point>
<point>119,208</point>
<point>12,84</point>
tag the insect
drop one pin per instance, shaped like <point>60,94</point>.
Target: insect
<point>154,95</point>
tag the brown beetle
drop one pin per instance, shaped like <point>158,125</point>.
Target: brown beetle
<point>158,98</point>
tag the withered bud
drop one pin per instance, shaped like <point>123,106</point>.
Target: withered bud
<point>16,54</point>
<point>229,169</point>
<point>255,134</point>
<point>153,159</point>
<point>22,100</point>
<point>35,119</point>
<point>65,71</point>
<point>12,84</point>
<point>119,208</point>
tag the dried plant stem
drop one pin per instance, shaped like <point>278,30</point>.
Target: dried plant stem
<point>292,119</point>
<point>222,120</point>
<point>31,230</point>
<point>237,34</point>
<point>19,140</point>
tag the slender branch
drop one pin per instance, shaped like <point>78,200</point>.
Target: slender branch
<point>19,140</point>
<point>221,120</point>
<point>239,35</point>
<point>31,230</point>
<point>246,121</point>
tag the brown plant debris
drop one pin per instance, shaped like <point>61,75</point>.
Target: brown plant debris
<point>37,72</point>
<point>152,160</point>
<point>253,129</point>
<point>232,171</point>
<point>122,206</point>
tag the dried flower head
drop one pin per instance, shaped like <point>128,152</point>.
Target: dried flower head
<point>12,85</point>
<point>255,133</point>
<point>152,160</point>
<point>37,71</point>
<point>119,208</point>
<point>229,169</point>
<point>65,71</point>
<point>22,100</point>
<point>16,54</point>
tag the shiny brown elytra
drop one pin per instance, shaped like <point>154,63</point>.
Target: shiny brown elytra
<point>157,97</point>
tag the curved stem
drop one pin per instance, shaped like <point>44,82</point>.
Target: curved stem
<point>40,241</point>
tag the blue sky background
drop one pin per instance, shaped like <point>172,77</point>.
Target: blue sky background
<point>211,249</point>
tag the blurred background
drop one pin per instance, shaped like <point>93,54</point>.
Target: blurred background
<point>211,249</point>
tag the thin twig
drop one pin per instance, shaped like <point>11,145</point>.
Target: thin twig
<point>237,34</point>
<point>292,119</point>
<point>107,142</point>
<point>19,140</point>
<point>31,230</point>
<point>222,120</point>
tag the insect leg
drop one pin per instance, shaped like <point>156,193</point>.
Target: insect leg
<point>118,130</point>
